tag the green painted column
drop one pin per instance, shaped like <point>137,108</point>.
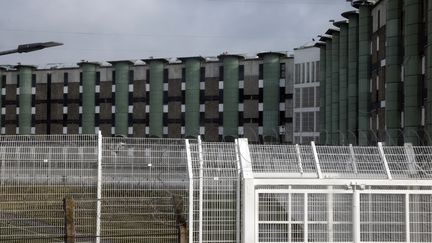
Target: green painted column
<point>156,78</point>
<point>335,87</point>
<point>322,90</point>
<point>328,91</point>
<point>2,70</point>
<point>364,71</point>
<point>230,95</point>
<point>343,81</point>
<point>88,96</point>
<point>122,69</point>
<point>25,99</point>
<point>393,72</point>
<point>429,73</point>
<point>192,99</point>
<point>353,46</point>
<point>412,74</point>
<point>271,91</point>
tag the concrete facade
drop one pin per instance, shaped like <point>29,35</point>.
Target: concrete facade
<point>306,94</point>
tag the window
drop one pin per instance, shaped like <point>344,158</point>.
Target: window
<point>308,119</point>
<point>318,78</point>
<point>297,98</point>
<point>282,70</point>
<point>308,97</point>
<point>303,73</point>
<point>313,72</point>
<point>297,73</point>
<point>308,72</point>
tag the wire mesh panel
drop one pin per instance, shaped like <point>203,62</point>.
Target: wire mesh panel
<point>420,217</point>
<point>337,161</point>
<point>288,159</point>
<point>216,192</point>
<point>144,190</point>
<point>382,217</point>
<point>369,163</point>
<point>303,216</point>
<point>37,172</point>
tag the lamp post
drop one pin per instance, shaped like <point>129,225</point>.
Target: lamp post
<point>31,47</point>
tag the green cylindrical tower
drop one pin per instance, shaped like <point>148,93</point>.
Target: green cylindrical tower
<point>230,95</point>
<point>335,86</point>
<point>88,96</point>
<point>192,99</point>
<point>429,73</point>
<point>25,99</point>
<point>393,72</point>
<point>122,69</point>
<point>412,75</point>
<point>156,78</point>
<point>328,90</point>
<point>364,71</point>
<point>353,45</point>
<point>271,79</point>
<point>322,90</point>
<point>343,81</point>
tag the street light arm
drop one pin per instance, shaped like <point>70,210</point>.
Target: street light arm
<point>31,47</point>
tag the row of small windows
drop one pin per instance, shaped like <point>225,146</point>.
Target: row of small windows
<point>306,97</point>
<point>307,72</point>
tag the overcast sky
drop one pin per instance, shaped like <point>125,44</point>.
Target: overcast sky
<point>105,30</point>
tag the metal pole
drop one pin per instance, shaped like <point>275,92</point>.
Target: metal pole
<point>356,215</point>
<point>317,164</point>
<point>99,189</point>
<point>386,166</point>
<point>300,164</point>
<point>191,194</point>
<point>330,213</point>
<point>238,191</point>
<point>407,217</point>
<point>69,210</point>
<point>201,190</point>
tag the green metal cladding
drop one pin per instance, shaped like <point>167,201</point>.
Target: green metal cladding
<point>335,89</point>
<point>393,72</point>
<point>343,81</point>
<point>353,45</point>
<point>364,74</point>
<point>271,79</point>
<point>156,67</point>
<point>322,80</point>
<point>412,74</point>
<point>88,96</point>
<point>25,99</point>
<point>230,96</point>
<point>1,86</point>
<point>122,69</point>
<point>328,92</point>
<point>192,99</point>
<point>429,73</point>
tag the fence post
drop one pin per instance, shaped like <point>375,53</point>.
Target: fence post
<point>99,188</point>
<point>356,215</point>
<point>299,159</point>
<point>317,163</point>
<point>248,192</point>
<point>238,192</point>
<point>69,210</point>
<point>201,190</point>
<point>383,157</point>
<point>191,190</point>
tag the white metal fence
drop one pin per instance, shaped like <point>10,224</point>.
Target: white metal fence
<point>143,190</point>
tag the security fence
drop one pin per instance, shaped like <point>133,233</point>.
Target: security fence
<point>175,190</point>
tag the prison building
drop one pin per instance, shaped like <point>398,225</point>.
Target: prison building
<point>219,98</point>
<point>306,94</point>
<point>377,69</point>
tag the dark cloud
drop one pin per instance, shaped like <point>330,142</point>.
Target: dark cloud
<point>133,29</point>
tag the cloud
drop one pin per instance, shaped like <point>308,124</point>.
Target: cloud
<point>108,29</point>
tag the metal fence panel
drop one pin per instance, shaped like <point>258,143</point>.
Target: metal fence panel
<point>144,190</point>
<point>36,174</point>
